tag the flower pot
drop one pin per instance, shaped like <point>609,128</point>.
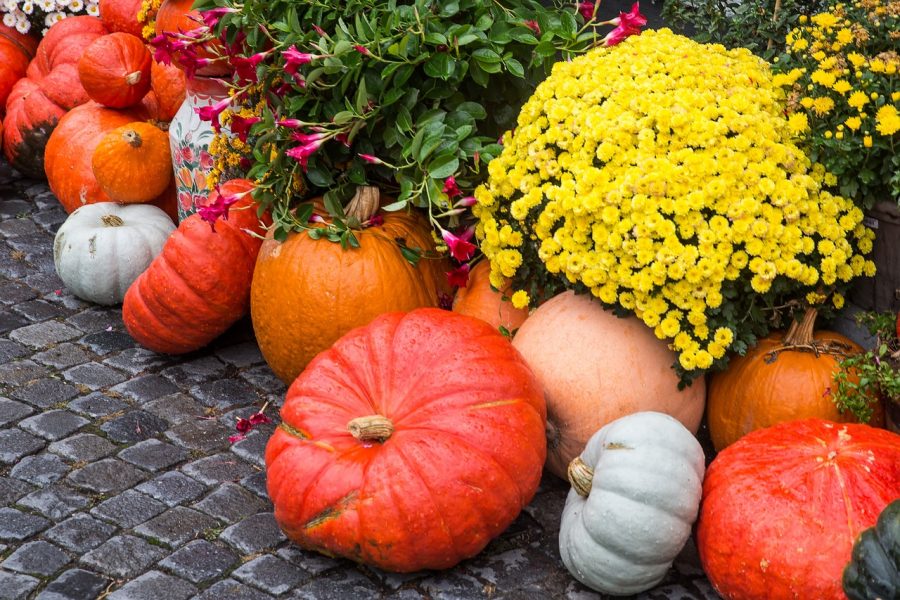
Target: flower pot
<point>882,292</point>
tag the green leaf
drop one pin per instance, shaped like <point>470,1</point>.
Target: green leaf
<point>484,22</point>
<point>280,234</point>
<point>443,166</point>
<point>473,108</point>
<point>515,67</point>
<point>435,39</point>
<point>343,117</point>
<point>429,145</point>
<point>417,142</point>
<point>440,66</point>
<point>404,119</point>
<point>448,9</point>
<point>362,97</point>
<point>568,23</point>
<point>406,187</point>
<point>333,204</point>
<point>319,177</point>
<point>463,132</point>
<point>523,36</point>
<point>486,55</point>
<point>395,206</point>
<point>466,38</point>
<point>412,256</point>
<point>392,96</point>
<point>304,212</point>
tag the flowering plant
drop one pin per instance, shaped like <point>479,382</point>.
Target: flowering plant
<point>842,71</point>
<point>39,15</point>
<point>877,370</point>
<point>661,176</point>
<point>409,97</point>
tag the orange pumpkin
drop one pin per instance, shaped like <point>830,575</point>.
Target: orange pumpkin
<point>168,84</point>
<point>16,51</point>
<point>132,163</point>
<point>594,368</point>
<point>478,299</point>
<point>308,293</point>
<point>783,378</point>
<point>115,70</point>
<point>176,16</point>
<point>121,15</point>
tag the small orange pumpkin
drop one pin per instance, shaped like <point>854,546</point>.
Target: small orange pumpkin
<point>478,299</point>
<point>121,15</point>
<point>132,163</point>
<point>115,70</point>
<point>784,377</point>
<point>168,83</point>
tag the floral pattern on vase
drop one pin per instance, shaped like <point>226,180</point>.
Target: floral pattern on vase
<point>189,140</point>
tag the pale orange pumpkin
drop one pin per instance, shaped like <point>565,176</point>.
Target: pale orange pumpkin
<point>478,299</point>
<point>132,163</point>
<point>595,367</point>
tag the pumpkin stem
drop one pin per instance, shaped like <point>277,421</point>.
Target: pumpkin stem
<point>112,221</point>
<point>364,203</point>
<point>374,428</point>
<point>133,78</point>
<point>800,332</point>
<point>581,476</point>
<point>133,138</point>
<point>800,338</point>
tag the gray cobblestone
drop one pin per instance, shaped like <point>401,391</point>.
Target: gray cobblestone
<point>230,502</point>
<point>146,388</point>
<point>129,508</point>
<point>136,360</point>
<point>253,447</point>
<point>123,556</point>
<point>175,408</point>
<point>106,342</point>
<point>311,562</point>
<point>11,350</point>
<point>133,426</point>
<point>218,468</point>
<point>94,376</point>
<point>55,502</point>
<point>80,533</point>
<point>200,560</point>
<point>343,584</point>
<point>11,411</point>
<point>63,356</point>
<point>270,574</point>
<point>198,370</point>
<point>224,393</point>
<point>45,393</point>
<point>177,526</point>
<point>15,443</point>
<point>21,371</point>
<point>107,475</point>
<point>97,319</point>
<point>172,488</point>
<point>153,455</point>
<point>97,404</point>
<point>36,558</point>
<point>254,534</point>
<point>205,434</point>
<point>12,489</point>
<point>10,321</point>
<point>43,334</point>
<point>14,586</point>
<point>53,424</point>
<point>74,584</point>
<point>82,447</point>
<point>16,525</point>
<point>153,586</point>
<point>256,483</point>
<point>41,469</point>
<point>40,310</point>
<point>241,355</point>
<point>233,590</point>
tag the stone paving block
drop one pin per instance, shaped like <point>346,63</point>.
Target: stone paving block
<point>12,489</point>
<point>224,393</point>
<point>39,310</point>
<point>311,562</point>
<point>233,590</point>
<point>106,342</point>
<point>40,469</point>
<point>36,558</point>
<point>346,585</point>
<point>80,533</point>
<point>11,350</point>
<point>14,586</point>
<point>97,319</point>
<point>218,468</point>
<point>253,447</point>
<point>74,584</point>
<point>97,404</point>
<point>128,509</point>
<point>200,560</point>
<point>80,447</point>
<point>177,526</point>
<point>10,321</point>
<point>41,335</point>
<point>53,424</point>
<point>55,502</point>
<point>263,378</point>
<point>12,292</point>
<point>94,375</point>
<point>256,483</point>
<point>123,556</point>
<point>230,502</point>
<point>198,370</point>
<point>254,534</point>
<point>107,475</point>
<point>15,443</point>
<point>15,525</point>
<point>11,411</point>
<point>270,574</point>
<point>241,355</point>
<point>133,426</point>
<point>21,371</point>
<point>154,585</point>
<point>172,488</point>
<point>137,360</point>
<point>63,356</point>
<point>146,388</point>
<point>175,408</point>
<point>46,392</point>
<point>153,455</point>
<point>204,434</point>
<point>14,227</point>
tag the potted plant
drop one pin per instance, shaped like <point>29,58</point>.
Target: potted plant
<point>878,372</point>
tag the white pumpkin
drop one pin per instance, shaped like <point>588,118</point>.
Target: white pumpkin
<point>102,248</point>
<point>635,494</point>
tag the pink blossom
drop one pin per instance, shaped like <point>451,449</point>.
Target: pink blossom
<point>450,188</point>
<point>243,425</point>
<point>236,438</point>
<point>460,247</point>
<point>186,154</point>
<point>361,49</point>
<point>618,34</point>
<point>211,113</point>
<point>245,66</point>
<point>533,25</point>
<point>466,202</point>
<point>633,19</point>
<point>319,30</point>
<point>586,9</point>
<point>302,153</point>
<point>305,138</point>
<point>211,17</point>
<point>317,219</point>
<point>289,123</point>
<point>259,418</point>
<point>212,211</point>
<point>459,277</point>
<point>296,59</point>
<point>206,160</point>
<point>165,47</point>
<point>376,221</point>
<point>240,126</point>
<point>372,160</point>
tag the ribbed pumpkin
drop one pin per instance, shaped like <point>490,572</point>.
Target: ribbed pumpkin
<point>477,299</point>
<point>132,163</point>
<point>199,285</point>
<point>16,51</point>
<point>782,507</point>
<point>783,378</point>
<point>168,83</point>
<point>409,444</point>
<point>115,70</point>
<point>121,15</point>
<point>51,87</point>
<point>176,16</point>
<point>594,368</point>
<point>308,293</point>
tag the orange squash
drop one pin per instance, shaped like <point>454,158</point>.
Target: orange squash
<point>121,15</point>
<point>481,301</point>
<point>177,16</point>
<point>594,368</point>
<point>168,84</point>
<point>115,70</point>
<point>783,378</point>
<point>16,51</point>
<point>308,293</point>
<point>132,163</point>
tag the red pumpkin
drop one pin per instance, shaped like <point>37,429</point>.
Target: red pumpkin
<point>115,70</point>
<point>782,507</point>
<point>50,89</point>
<point>121,15</point>
<point>199,285</point>
<point>16,51</point>
<point>168,83</point>
<point>409,444</point>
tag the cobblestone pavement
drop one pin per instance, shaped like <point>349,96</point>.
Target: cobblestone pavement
<point>117,479</point>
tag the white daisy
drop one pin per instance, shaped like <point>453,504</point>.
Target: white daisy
<point>23,26</point>
<point>9,19</point>
<point>75,5</point>
<point>47,5</point>
<point>27,7</point>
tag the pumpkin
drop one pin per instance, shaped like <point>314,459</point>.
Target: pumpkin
<point>101,248</point>
<point>782,378</point>
<point>115,70</point>
<point>635,494</point>
<point>874,568</point>
<point>176,16</point>
<point>132,163</point>
<point>309,292</point>
<point>121,15</point>
<point>478,299</point>
<point>16,51</point>
<point>71,148</point>
<point>409,444</point>
<point>594,368</point>
<point>199,285</point>
<point>168,83</point>
<point>50,89</point>
<point>782,506</point>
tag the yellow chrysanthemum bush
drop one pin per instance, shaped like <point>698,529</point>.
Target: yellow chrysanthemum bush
<point>661,176</point>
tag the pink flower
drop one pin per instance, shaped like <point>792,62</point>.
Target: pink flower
<point>186,154</point>
<point>317,219</point>
<point>342,138</point>
<point>219,208</point>
<point>240,126</point>
<point>184,200</point>
<point>211,17</point>
<point>361,49</point>
<point>259,418</point>
<point>459,277</point>
<point>450,188</point>
<point>243,425</point>
<point>305,138</point>
<point>372,160</point>
<point>319,30</point>
<point>289,123</point>
<point>236,438</point>
<point>376,221</point>
<point>586,9</point>
<point>618,34</point>
<point>211,113</point>
<point>632,19</point>
<point>533,25</point>
<point>466,202</point>
<point>206,160</point>
<point>245,67</point>
<point>302,153</point>
<point>294,59</point>
<point>460,247</point>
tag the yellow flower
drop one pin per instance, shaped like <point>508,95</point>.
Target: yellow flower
<point>867,141</point>
<point>823,105</point>
<point>887,121</point>
<point>858,99</point>
<point>520,299</point>
<point>798,122</point>
<point>842,86</point>
<point>853,123</point>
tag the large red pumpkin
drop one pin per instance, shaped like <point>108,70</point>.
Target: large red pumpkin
<point>199,285</point>
<point>121,15</point>
<point>50,88</point>
<point>782,507</point>
<point>409,444</point>
<point>16,51</point>
<point>115,70</point>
